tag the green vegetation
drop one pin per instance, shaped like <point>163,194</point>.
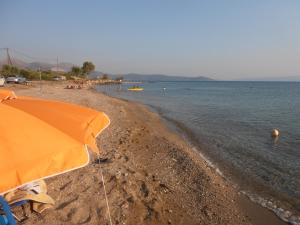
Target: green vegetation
<point>8,70</point>
<point>81,72</point>
<point>87,67</point>
<point>76,71</point>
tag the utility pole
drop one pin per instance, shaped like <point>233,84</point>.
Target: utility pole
<point>57,64</point>
<point>9,62</point>
<point>40,79</point>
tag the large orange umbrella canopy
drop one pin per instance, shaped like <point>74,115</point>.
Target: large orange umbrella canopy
<point>41,138</point>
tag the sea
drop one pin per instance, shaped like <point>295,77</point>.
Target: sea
<point>230,123</point>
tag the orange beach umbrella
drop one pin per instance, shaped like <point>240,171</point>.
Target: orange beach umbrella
<point>42,138</point>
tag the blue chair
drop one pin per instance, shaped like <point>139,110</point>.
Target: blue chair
<point>7,218</point>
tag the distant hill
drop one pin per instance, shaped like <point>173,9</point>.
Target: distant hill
<point>48,66</point>
<point>66,67</point>
<point>282,78</point>
<point>18,62</point>
<point>96,75</point>
<point>42,65</point>
<point>151,77</point>
<point>162,77</point>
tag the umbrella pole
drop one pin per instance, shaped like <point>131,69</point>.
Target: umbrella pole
<point>105,193</point>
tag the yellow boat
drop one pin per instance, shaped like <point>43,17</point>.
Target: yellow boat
<point>135,89</point>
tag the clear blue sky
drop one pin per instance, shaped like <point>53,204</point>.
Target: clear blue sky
<point>221,39</point>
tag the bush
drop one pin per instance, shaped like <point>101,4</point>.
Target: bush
<point>8,70</point>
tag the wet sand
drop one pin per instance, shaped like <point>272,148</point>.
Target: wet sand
<point>152,175</point>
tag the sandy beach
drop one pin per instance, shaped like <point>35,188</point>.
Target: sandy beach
<point>152,175</point>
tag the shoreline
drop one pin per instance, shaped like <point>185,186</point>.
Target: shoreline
<point>248,195</point>
<point>152,172</point>
<point>280,207</point>
<point>276,205</point>
<point>269,203</point>
<point>248,199</point>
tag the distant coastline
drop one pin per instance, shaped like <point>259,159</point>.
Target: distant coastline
<point>152,77</point>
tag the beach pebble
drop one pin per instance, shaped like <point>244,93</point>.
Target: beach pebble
<point>294,220</point>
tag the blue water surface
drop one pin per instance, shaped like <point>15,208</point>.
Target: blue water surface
<point>231,124</point>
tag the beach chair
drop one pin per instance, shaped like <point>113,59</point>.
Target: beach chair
<point>6,217</point>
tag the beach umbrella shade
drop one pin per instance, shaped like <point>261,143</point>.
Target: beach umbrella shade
<point>42,138</point>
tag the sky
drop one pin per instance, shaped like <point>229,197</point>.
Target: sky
<point>225,40</point>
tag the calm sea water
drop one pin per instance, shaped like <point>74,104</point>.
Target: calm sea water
<point>230,123</point>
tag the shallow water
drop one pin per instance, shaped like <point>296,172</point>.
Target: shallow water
<point>231,124</point>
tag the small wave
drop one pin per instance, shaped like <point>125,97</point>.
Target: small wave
<point>283,214</point>
<point>209,163</point>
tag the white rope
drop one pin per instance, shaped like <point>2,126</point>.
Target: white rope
<point>106,199</point>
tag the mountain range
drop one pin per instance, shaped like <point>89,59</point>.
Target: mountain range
<point>281,78</point>
<point>151,77</point>
<point>66,67</point>
<point>63,66</point>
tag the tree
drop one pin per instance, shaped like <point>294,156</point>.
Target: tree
<point>25,73</point>
<point>14,70</point>
<point>87,67</point>
<point>8,70</point>
<point>5,68</point>
<point>76,70</point>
